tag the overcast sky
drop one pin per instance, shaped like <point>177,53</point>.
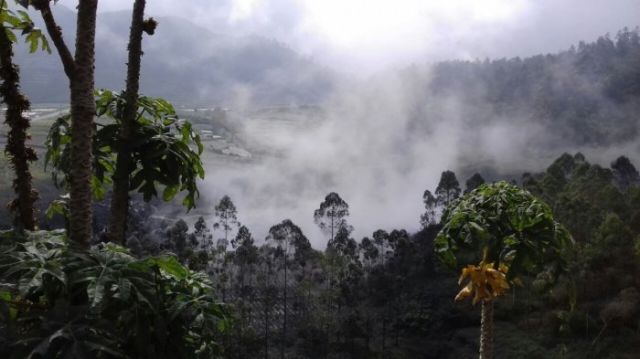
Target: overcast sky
<point>369,35</point>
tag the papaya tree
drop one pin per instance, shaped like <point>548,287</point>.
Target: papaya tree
<point>509,233</point>
<point>80,70</point>
<point>20,155</point>
<point>164,156</point>
<point>56,302</point>
<point>124,160</point>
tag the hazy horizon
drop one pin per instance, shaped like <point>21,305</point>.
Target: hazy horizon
<point>364,37</point>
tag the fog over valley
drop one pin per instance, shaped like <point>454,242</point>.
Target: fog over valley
<point>374,112</point>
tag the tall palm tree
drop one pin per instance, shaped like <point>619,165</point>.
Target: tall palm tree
<point>510,233</point>
<point>80,71</point>
<point>120,199</point>
<point>17,103</point>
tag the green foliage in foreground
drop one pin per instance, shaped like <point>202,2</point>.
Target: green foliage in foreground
<point>57,302</point>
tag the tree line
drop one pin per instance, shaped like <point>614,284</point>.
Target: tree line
<point>385,294</point>
<point>585,95</point>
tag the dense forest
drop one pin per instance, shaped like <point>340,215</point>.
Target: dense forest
<point>585,95</point>
<point>549,258</point>
<point>387,295</point>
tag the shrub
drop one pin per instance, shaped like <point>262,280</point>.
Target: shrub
<point>56,301</point>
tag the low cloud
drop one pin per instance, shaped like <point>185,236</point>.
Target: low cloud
<point>366,36</point>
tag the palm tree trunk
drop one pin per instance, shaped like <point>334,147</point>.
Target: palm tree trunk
<point>83,110</point>
<point>19,154</point>
<point>80,71</point>
<point>486,330</point>
<point>120,198</point>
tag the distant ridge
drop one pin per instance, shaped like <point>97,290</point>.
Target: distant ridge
<point>184,63</point>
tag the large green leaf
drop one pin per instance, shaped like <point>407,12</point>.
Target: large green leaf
<point>165,152</point>
<point>514,227</point>
<point>103,302</point>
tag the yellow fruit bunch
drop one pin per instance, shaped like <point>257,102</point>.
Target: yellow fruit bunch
<point>485,282</point>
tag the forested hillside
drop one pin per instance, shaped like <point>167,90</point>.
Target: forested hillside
<point>186,64</point>
<point>388,295</point>
<point>588,94</point>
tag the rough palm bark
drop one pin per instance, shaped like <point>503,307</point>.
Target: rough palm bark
<point>486,330</point>
<point>80,71</point>
<point>120,199</point>
<point>18,152</point>
<point>83,109</point>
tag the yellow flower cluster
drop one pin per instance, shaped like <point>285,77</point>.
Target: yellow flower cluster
<point>485,282</point>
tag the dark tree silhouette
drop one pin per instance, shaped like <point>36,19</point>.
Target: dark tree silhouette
<point>202,233</point>
<point>474,182</point>
<point>246,257</point>
<point>331,216</point>
<point>625,174</point>
<point>429,218</point>
<point>369,252</point>
<point>227,217</point>
<point>381,241</point>
<point>343,245</point>
<point>291,242</point>
<point>448,189</point>
<point>177,239</point>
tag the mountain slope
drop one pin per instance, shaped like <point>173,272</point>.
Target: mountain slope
<point>186,64</point>
<point>585,95</point>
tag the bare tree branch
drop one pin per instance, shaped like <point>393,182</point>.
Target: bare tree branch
<point>56,36</point>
